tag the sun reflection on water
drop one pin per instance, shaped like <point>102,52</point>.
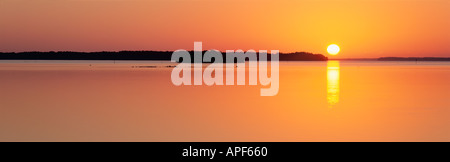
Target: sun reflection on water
<point>332,82</point>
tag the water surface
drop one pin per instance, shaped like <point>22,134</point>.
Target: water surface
<point>136,101</point>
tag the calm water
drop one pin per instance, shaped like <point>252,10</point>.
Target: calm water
<point>317,101</point>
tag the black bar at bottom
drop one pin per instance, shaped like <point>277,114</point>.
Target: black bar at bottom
<point>183,151</point>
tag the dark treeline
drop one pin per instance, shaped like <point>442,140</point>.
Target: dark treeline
<point>134,55</point>
<point>414,59</point>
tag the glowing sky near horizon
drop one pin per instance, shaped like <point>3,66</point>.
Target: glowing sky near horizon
<point>362,29</point>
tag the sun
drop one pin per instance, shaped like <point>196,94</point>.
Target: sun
<point>333,49</point>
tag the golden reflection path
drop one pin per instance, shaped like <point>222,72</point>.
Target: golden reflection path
<point>332,82</point>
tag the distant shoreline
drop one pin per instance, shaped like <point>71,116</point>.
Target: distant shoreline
<point>166,56</point>
<point>396,59</point>
<point>413,59</point>
<point>135,55</point>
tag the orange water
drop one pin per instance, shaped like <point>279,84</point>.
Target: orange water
<point>317,101</point>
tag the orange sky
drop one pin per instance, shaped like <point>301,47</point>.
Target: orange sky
<point>362,28</point>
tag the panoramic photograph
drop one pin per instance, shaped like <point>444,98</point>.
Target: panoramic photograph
<point>224,71</point>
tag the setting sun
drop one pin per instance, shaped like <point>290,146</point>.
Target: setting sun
<point>333,49</point>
